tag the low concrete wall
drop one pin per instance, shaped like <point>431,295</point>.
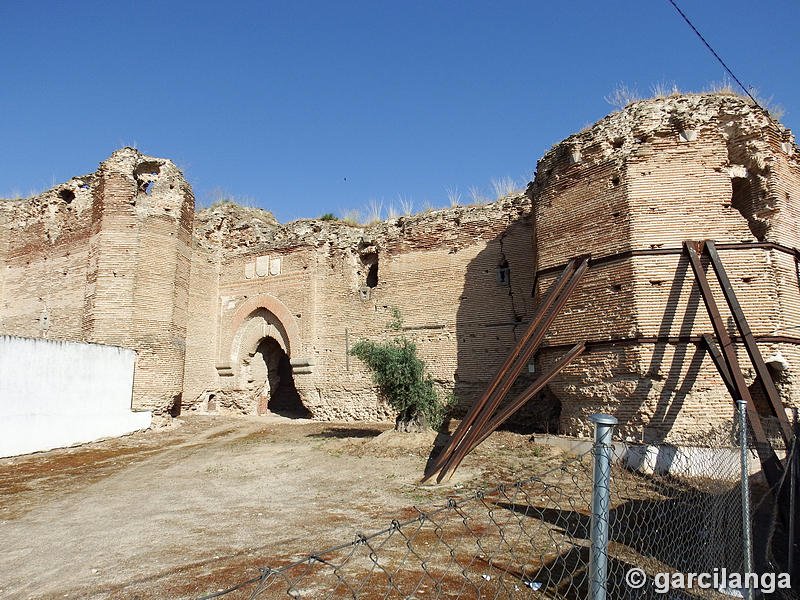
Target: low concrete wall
<point>667,459</point>
<point>55,394</point>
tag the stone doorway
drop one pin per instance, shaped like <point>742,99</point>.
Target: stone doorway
<point>275,388</point>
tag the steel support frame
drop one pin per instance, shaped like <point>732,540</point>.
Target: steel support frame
<point>472,429</point>
<point>773,470</point>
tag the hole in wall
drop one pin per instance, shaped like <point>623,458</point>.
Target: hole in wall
<point>742,200</point>
<point>175,407</point>
<point>147,187</point>
<point>615,181</point>
<point>372,276</point>
<point>148,168</point>
<point>504,274</point>
<point>762,403</point>
<point>67,196</point>
<point>617,143</point>
<point>370,260</point>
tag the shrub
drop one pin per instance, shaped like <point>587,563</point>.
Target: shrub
<point>329,217</point>
<point>401,377</point>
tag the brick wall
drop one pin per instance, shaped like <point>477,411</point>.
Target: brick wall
<point>439,269</point>
<point>644,180</point>
<point>121,257</point>
<point>105,258</point>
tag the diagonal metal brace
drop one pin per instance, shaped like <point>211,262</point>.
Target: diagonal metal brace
<point>773,470</point>
<point>509,410</point>
<point>512,366</point>
<point>473,424</point>
<point>750,345</point>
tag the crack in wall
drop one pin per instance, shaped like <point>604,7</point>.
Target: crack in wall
<point>517,315</point>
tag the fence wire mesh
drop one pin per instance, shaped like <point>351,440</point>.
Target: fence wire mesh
<point>527,539</point>
<point>672,510</point>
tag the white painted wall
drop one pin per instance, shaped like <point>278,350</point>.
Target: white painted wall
<point>55,394</point>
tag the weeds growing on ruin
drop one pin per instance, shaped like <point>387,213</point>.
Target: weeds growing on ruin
<point>623,95</point>
<point>503,186</point>
<point>453,196</point>
<point>351,217</point>
<point>374,210</point>
<point>406,204</point>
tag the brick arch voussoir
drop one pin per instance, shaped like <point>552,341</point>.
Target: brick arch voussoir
<point>273,305</point>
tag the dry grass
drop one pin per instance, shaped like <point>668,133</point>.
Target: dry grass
<point>406,204</point>
<point>453,196</point>
<point>373,212</point>
<point>623,95</point>
<point>503,186</point>
<point>351,216</point>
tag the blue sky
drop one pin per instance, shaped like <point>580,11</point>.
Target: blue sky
<point>305,108</point>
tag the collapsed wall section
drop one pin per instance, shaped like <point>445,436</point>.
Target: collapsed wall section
<point>45,243</point>
<point>656,174</point>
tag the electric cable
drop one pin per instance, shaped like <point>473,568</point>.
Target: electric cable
<point>722,62</point>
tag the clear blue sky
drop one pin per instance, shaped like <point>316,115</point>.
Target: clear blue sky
<point>305,108</point>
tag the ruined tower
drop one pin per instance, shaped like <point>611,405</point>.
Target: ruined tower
<point>629,190</point>
<point>105,258</point>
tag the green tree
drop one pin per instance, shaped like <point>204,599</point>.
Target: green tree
<point>401,376</point>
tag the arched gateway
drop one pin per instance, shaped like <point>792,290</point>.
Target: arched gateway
<point>255,366</point>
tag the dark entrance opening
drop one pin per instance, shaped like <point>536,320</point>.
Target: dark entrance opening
<point>279,394</point>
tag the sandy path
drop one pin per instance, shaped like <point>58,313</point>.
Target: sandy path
<point>178,513</point>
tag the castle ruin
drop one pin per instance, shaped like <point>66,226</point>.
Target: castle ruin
<point>228,309</point>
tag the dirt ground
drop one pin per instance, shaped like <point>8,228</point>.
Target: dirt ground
<point>185,511</point>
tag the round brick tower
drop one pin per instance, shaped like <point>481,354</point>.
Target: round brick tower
<point>629,190</point>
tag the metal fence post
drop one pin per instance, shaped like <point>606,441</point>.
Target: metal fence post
<point>792,464</point>
<point>601,502</point>
<point>747,534</point>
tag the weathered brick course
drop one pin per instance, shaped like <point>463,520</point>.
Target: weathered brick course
<point>121,257</point>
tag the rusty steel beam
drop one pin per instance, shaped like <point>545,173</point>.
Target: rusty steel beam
<point>671,339</point>
<point>546,314</point>
<point>772,467</point>
<point>626,254</point>
<point>500,379</point>
<point>749,343</point>
<point>490,407</point>
<point>509,410</point>
<point>719,362</point>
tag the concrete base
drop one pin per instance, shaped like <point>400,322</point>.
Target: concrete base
<point>33,433</point>
<point>680,461</point>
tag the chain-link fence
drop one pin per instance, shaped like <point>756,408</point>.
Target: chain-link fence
<point>519,540</point>
<point>671,511</point>
<point>674,510</point>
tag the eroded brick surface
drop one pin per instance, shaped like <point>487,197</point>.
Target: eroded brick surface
<point>121,257</point>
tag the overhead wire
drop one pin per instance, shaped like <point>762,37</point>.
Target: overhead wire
<point>717,56</point>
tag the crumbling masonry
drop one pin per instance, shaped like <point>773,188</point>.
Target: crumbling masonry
<point>230,310</point>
